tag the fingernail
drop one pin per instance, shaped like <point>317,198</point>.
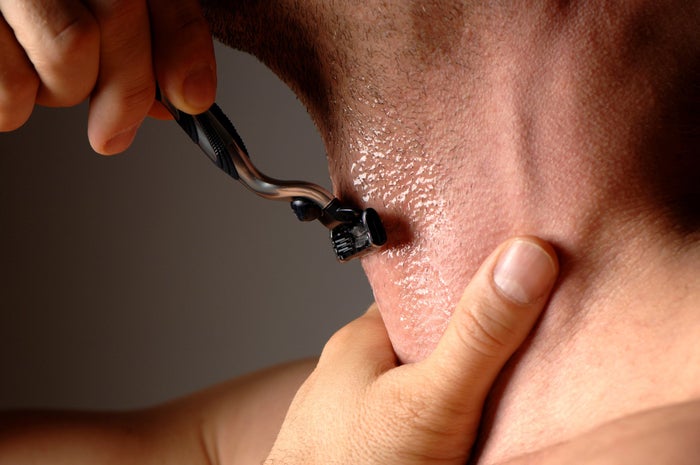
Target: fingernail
<point>121,141</point>
<point>524,272</point>
<point>199,87</point>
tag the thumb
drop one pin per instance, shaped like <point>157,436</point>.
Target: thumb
<point>496,312</point>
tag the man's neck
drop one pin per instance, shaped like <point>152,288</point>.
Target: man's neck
<point>511,134</point>
<point>575,139</point>
<point>465,124</point>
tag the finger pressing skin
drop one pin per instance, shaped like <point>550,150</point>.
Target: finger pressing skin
<point>18,81</point>
<point>496,312</point>
<point>183,54</point>
<point>358,406</point>
<point>361,347</point>
<point>126,85</point>
<point>435,405</point>
<point>61,39</point>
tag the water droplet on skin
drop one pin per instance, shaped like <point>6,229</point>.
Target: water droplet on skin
<point>394,174</point>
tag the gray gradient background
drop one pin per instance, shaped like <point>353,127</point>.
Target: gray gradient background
<point>129,280</point>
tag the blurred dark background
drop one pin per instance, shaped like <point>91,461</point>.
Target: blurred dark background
<point>133,279</point>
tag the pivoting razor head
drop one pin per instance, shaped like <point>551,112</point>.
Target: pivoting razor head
<point>358,237</point>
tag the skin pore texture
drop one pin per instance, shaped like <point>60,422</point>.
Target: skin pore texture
<point>465,123</point>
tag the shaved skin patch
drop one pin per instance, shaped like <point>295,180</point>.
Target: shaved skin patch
<point>412,288</point>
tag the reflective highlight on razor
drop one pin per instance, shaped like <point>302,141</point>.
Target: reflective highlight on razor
<point>353,232</point>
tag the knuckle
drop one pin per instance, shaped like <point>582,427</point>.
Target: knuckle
<point>486,331</point>
<point>72,41</point>
<point>68,63</point>
<point>80,31</point>
<point>137,95</point>
<point>338,341</point>
<point>17,98</point>
<point>348,334</point>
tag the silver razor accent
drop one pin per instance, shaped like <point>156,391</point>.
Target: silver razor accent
<point>353,232</point>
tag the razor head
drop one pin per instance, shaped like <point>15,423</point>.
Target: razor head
<point>354,233</point>
<point>353,239</point>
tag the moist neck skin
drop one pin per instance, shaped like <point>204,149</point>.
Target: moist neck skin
<point>465,124</point>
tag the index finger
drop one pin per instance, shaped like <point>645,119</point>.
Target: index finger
<point>125,88</point>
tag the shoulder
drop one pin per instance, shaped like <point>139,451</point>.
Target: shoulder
<point>668,434</point>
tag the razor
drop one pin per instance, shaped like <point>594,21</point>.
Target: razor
<point>353,233</point>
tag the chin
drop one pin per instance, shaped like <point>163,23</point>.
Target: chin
<point>415,305</point>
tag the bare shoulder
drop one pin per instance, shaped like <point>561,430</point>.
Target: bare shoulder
<point>664,435</point>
